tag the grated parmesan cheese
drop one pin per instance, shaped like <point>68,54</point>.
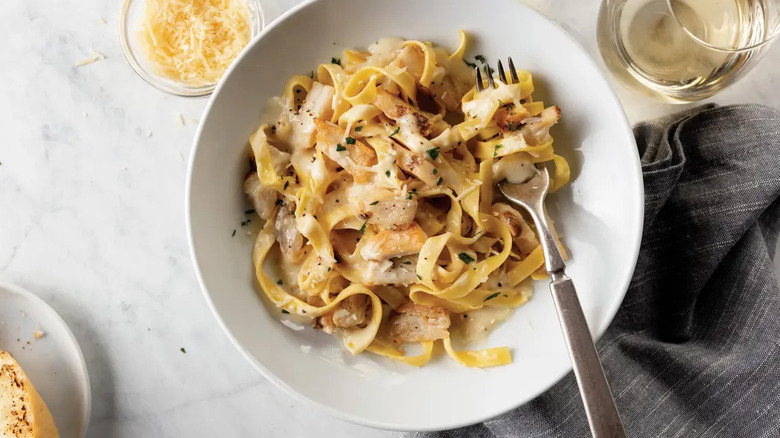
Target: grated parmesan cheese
<point>96,56</point>
<point>194,41</point>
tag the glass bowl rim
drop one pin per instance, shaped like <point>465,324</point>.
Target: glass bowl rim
<point>167,85</point>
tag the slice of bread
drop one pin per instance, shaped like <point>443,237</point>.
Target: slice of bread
<point>23,414</point>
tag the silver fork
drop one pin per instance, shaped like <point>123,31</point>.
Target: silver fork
<point>599,404</point>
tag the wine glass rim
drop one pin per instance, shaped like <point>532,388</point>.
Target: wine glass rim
<point>775,31</point>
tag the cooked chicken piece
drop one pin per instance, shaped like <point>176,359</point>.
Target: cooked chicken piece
<point>522,234</point>
<point>417,323</point>
<point>316,274</point>
<point>280,160</point>
<point>286,233</point>
<point>510,117</point>
<point>348,313</point>
<point>417,165</point>
<point>514,168</point>
<point>349,155</point>
<point>536,133</point>
<point>421,122</point>
<point>351,311</point>
<point>448,92</point>
<point>390,213</point>
<point>387,272</point>
<point>412,58</point>
<point>325,323</point>
<point>318,105</point>
<point>263,199</point>
<point>319,101</point>
<point>387,243</point>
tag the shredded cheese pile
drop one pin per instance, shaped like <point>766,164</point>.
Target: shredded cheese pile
<point>194,41</point>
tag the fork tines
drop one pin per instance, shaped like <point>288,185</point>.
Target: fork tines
<point>501,75</point>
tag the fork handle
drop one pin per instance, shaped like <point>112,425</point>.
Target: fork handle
<point>599,405</point>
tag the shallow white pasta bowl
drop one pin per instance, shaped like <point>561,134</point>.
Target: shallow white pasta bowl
<point>599,214</point>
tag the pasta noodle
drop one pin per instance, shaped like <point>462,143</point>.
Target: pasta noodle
<point>375,178</point>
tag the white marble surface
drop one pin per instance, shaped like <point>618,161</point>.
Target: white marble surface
<point>92,220</point>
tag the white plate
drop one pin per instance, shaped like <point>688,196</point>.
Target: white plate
<point>600,214</point>
<point>54,362</point>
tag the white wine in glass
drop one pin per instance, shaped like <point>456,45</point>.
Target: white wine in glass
<point>684,50</point>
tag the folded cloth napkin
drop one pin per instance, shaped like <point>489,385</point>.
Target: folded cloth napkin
<point>694,350</point>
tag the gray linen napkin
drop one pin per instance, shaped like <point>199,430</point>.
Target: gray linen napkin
<point>694,350</point>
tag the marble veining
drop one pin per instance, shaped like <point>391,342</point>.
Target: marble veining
<point>92,220</point>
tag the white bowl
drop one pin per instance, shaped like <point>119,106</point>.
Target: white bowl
<point>600,213</point>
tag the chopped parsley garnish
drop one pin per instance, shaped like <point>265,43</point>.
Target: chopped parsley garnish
<point>183,350</point>
<point>435,171</point>
<point>407,262</point>
<point>363,228</point>
<point>398,129</point>
<point>350,140</point>
<point>234,233</point>
<point>311,75</point>
<point>336,61</point>
<point>496,148</point>
<point>410,195</point>
<point>340,148</point>
<point>329,268</point>
<point>491,296</point>
<point>358,128</point>
<point>387,173</point>
<point>286,184</point>
<point>438,181</point>
<point>246,222</point>
<point>481,59</point>
<point>465,258</point>
<point>419,278</point>
<point>279,282</point>
<point>506,296</point>
<point>374,203</point>
<point>250,211</point>
<point>285,311</point>
<point>470,64</point>
<point>433,153</point>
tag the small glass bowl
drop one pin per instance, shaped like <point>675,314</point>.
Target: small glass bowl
<point>132,12</point>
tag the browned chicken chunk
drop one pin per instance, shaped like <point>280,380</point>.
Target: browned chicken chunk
<point>395,108</point>
<point>417,323</point>
<point>394,243</point>
<point>286,233</point>
<point>349,153</point>
<point>522,234</point>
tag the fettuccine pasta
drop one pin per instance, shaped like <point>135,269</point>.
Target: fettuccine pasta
<point>375,176</point>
